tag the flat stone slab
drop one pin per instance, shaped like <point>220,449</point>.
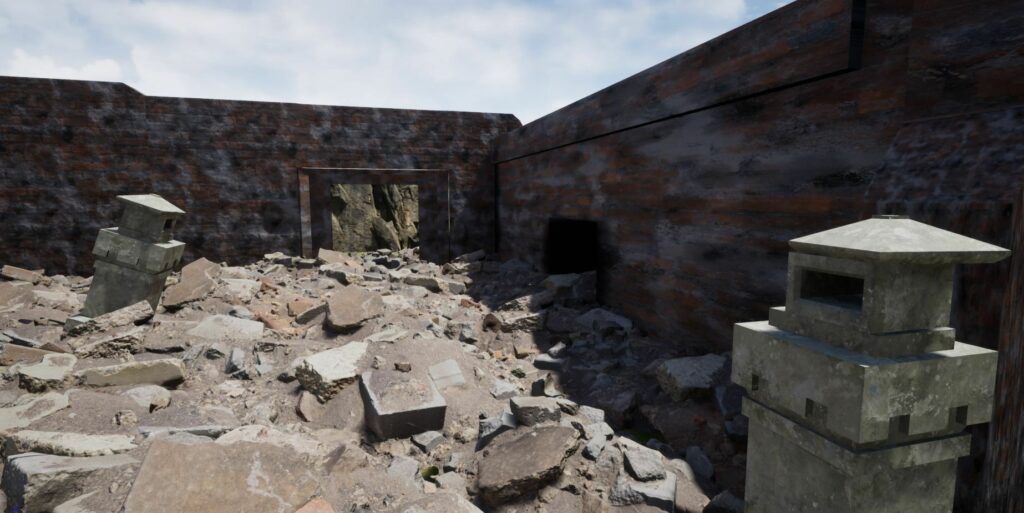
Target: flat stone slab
<point>446,374</point>
<point>130,315</point>
<point>643,464</point>
<point>325,373</point>
<point>30,408</point>
<point>525,464</point>
<point>198,279</point>
<point>37,483</point>
<point>50,372</point>
<point>351,307</point>
<point>66,444</point>
<point>401,404</point>
<point>680,377</point>
<point>220,327</point>
<point>249,477</point>
<point>166,371</point>
<point>11,354</point>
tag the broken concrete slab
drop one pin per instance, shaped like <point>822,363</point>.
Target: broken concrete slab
<point>428,440</point>
<point>18,274</point>
<point>642,463</point>
<point>350,307</point>
<point>37,483</point>
<point>51,372</point>
<point>121,343</point>
<point>446,374</point>
<point>131,315</point>
<point>530,411</point>
<point>166,371</point>
<point>11,354</point>
<point>400,404</point>
<point>221,327</point>
<point>66,444</point>
<point>681,377</point>
<point>151,397</point>
<point>30,408</point>
<point>502,389</point>
<point>198,279</point>
<point>327,372</point>
<point>525,464</point>
<point>250,477</point>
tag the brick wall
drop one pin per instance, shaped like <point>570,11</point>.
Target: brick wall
<point>824,112</point>
<point>68,147</point>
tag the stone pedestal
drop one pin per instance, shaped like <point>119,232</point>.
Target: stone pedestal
<point>858,390</point>
<point>134,259</point>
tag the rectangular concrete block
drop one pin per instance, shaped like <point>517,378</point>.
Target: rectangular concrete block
<point>401,404</point>
<point>860,398</point>
<point>813,474</point>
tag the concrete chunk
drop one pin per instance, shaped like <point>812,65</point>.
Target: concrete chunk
<point>198,279</point>
<point>681,377</point>
<point>530,411</point>
<point>66,444</point>
<point>167,371</point>
<point>525,464</point>
<point>400,404</point>
<point>37,483</point>
<point>51,372</point>
<point>249,477</point>
<point>351,307</point>
<point>327,372</point>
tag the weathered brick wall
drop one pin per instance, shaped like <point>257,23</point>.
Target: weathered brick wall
<point>700,169</point>
<point>68,147</point>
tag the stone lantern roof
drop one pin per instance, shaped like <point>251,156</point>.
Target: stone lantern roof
<point>898,239</point>
<point>153,203</point>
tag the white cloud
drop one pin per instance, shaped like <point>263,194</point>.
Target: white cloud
<point>43,66</point>
<point>527,58</point>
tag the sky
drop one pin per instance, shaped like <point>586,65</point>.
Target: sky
<point>526,57</point>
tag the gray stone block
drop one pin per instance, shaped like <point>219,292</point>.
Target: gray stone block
<point>401,404</point>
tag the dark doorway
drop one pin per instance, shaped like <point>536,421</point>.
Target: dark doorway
<point>571,246</point>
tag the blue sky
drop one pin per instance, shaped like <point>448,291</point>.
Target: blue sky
<point>526,57</point>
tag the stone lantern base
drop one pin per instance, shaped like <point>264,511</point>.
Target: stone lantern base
<point>810,473</point>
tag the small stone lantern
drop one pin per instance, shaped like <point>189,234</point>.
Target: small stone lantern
<point>858,390</point>
<point>134,259</point>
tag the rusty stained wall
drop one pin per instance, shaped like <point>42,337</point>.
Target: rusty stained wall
<point>822,113</point>
<point>68,147</point>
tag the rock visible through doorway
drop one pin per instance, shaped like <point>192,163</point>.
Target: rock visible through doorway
<point>366,217</point>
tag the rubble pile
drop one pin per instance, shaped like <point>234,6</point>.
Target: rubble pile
<point>357,382</point>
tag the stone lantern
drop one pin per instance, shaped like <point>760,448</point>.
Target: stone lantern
<point>134,258</point>
<point>858,390</point>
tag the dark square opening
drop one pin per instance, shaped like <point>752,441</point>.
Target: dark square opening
<point>571,246</point>
<point>832,289</point>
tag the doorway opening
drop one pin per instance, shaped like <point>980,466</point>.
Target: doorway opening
<point>367,217</point>
<point>571,246</point>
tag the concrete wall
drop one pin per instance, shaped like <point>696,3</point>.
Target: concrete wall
<point>822,113</point>
<point>68,147</point>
